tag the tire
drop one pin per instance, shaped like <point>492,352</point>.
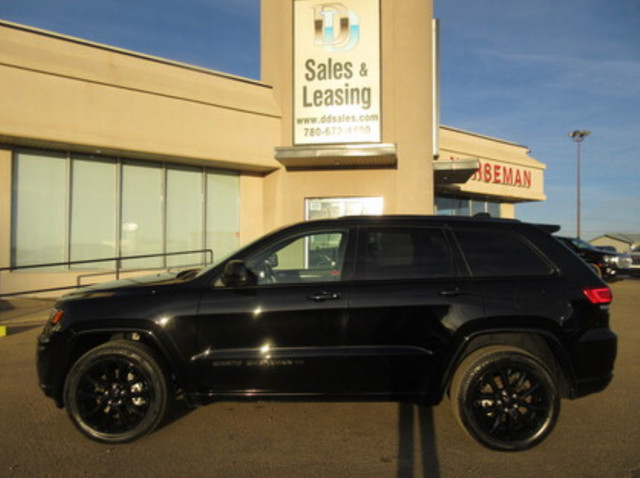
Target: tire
<point>117,392</point>
<point>505,398</point>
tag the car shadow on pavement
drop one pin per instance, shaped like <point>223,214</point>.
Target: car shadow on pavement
<point>179,409</point>
<point>417,452</point>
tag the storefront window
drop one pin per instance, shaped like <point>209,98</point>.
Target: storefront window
<point>462,207</point>
<point>478,207</point>
<point>447,206</point>
<point>39,209</point>
<point>444,206</point>
<point>81,207</point>
<point>142,211</point>
<point>184,215</point>
<point>223,213</point>
<point>323,208</point>
<point>93,210</point>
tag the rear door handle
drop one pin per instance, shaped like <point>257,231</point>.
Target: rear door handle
<point>323,296</point>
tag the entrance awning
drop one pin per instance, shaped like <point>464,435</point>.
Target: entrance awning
<point>454,172</point>
<point>337,156</point>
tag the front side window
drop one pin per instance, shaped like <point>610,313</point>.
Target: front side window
<point>313,257</point>
<point>404,253</point>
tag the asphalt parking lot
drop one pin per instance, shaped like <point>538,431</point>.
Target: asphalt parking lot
<point>597,436</point>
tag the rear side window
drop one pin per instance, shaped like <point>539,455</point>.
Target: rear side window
<point>501,254</point>
<point>404,253</point>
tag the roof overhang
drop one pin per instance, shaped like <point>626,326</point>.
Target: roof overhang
<point>378,155</point>
<point>454,172</point>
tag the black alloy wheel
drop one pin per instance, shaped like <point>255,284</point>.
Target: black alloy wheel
<point>116,392</point>
<point>505,398</point>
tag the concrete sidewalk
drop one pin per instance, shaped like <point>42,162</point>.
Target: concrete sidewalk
<point>20,314</point>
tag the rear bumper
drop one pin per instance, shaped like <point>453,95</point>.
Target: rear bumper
<point>589,386</point>
<point>594,356</point>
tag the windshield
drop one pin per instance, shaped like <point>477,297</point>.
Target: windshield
<point>582,244</point>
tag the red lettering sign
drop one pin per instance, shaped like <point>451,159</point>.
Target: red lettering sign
<point>496,173</point>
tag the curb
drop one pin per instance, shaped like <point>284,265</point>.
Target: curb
<point>7,330</point>
<point>20,315</point>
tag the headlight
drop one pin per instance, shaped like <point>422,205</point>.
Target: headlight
<point>56,316</point>
<point>55,321</point>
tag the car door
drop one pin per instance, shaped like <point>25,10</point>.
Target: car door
<point>284,333</point>
<point>408,297</point>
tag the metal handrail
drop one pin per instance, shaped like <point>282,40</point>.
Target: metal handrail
<point>118,260</point>
<point>129,271</point>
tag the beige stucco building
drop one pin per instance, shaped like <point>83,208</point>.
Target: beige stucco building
<point>106,152</point>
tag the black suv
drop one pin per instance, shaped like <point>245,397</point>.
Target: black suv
<point>497,314</point>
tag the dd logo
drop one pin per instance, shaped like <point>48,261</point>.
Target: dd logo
<point>336,28</point>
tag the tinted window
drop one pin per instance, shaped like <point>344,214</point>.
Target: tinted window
<point>404,253</point>
<point>313,257</point>
<point>500,253</point>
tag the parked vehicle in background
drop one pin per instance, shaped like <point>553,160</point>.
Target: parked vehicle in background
<point>496,314</point>
<point>635,260</point>
<point>611,249</point>
<point>625,263</point>
<point>606,264</point>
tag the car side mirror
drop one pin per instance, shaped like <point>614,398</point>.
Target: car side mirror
<point>236,273</point>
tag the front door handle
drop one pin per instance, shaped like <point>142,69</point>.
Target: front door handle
<point>322,296</point>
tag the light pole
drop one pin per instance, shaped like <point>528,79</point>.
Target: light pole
<point>578,137</point>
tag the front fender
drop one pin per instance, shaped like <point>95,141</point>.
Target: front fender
<point>58,351</point>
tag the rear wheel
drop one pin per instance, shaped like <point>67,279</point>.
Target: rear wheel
<point>505,398</point>
<point>117,392</point>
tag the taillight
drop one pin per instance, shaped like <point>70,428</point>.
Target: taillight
<point>598,295</point>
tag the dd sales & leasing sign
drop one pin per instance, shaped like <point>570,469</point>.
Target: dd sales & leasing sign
<point>336,72</point>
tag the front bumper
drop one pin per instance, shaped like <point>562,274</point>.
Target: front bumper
<point>50,367</point>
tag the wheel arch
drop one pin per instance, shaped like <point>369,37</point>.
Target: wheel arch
<point>542,344</point>
<point>85,340</point>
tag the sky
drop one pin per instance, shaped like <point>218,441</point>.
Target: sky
<point>525,71</point>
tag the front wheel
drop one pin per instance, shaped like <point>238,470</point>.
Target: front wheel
<point>117,392</point>
<point>505,398</point>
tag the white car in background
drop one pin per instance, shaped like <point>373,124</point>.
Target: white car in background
<point>635,259</point>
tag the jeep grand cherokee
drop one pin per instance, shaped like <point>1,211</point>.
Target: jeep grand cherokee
<point>495,314</point>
